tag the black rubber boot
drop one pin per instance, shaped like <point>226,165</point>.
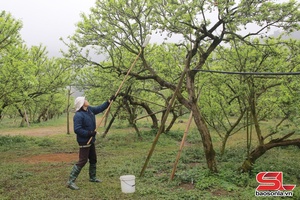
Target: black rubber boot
<point>73,175</point>
<point>92,173</point>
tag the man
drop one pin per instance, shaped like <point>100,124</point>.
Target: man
<point>84,127</point>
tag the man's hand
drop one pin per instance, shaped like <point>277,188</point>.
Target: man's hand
<point>112,98</point>
<point>92,133</point>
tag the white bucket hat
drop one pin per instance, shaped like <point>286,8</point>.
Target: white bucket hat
<point>79,101</point>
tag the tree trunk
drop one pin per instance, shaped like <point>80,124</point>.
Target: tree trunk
<point>132,115</point>
<point>144,105</point>
<point>68,110</point>
<point>175,116</point>
<point>112,120</point>
<point>42,116</point>
<point>136,130</point>
<point>224,141</point>
<point>261,149</point>
<point>2,108</point>
<point>149,112</point>
<point>201,124</point>
<point>26,117</point>
<point>252,103</point>
<point>22,115</point>
<point>206,139</point>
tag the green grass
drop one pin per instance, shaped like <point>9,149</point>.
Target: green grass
<point>121,153</point>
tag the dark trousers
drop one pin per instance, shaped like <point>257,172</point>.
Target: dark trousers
<point>85,154</point>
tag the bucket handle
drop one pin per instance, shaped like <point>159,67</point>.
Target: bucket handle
<point>128,184</point>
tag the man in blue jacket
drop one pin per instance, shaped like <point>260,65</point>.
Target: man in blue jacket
<point>85,128</point>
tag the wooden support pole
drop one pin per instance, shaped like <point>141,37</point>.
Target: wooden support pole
<point>160,130</point>
<point>182,144</point>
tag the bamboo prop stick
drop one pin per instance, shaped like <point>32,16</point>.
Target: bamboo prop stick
<point>181,145</point>
<point>160,130</point>
<point>183,139</point>
<point>147,39</point>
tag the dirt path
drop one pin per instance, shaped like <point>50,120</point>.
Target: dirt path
<point>42,132</point>
<point>37,131</point>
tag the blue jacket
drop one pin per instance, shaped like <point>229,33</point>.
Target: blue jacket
<point>85,121</point>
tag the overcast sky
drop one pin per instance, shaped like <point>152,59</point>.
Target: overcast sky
<point>45,21</point>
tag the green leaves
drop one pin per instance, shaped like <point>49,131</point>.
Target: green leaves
<point>116,29</point>
<point>9,29</point>
<point>226,98</point>
<point>27,76</point>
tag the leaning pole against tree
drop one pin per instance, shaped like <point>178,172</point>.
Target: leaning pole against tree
<point>181,145</point>
<point>161,128</point>
<point>147,39</point>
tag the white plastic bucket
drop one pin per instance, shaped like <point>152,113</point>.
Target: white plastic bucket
<point>127,183</point>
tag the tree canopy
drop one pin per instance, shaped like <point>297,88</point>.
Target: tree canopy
<point>192,36</point>
<point>118,28</point>
<point>29,80</point>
